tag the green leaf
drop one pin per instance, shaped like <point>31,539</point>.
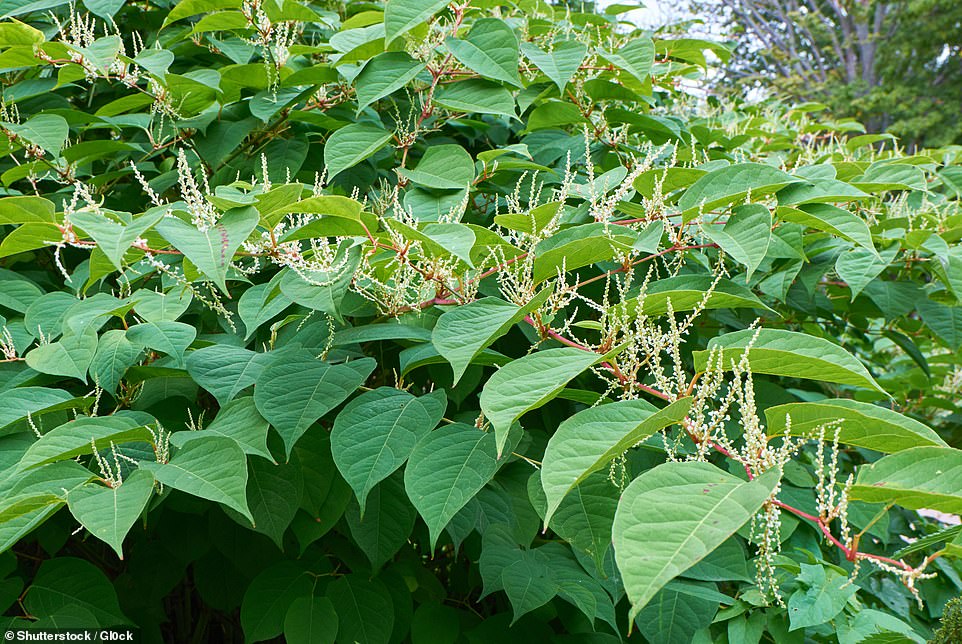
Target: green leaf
<point>945,321</point>
<point>858,267</point>
<point>476,96</point>
<point>921,477</point>
<point>790,354</point>
<point>580,246</point>
<point>358,44</point>
<point>554,114</point>
<point>47,131</point>
<point>310,620</point>
<point>27,210</point>
<point>561,63</point>
<point>113,238</point>
<point>825,595</point>
<point>46,314</point>
<point>823,190</point>
<point>491,49</point>
<point>237,420</point>
<point>155,307</point>
<point>31,497</point>
<point>831,219</point>
<point>70,356</point>
<point>674,515</point>
<point>109,513</point>
<point>591,439</point>
<point>29,237</point>
<point>731,184</point>
<point>115,354</point>
<point>16,33</point>
<point>339,216</point>
<point>636,58</point>
<point>269,597</point>
<point>870,626</point>
<point>446,469</point>
<point>273,496</point>
<point>464,332</point>
<point>745,235</point>
<point>188,8</point>
<point>214,468</point>
<point>909,347</point>
<point>671,179</point>
<point>725,563</point>
<point>387,524</point>
<point>688,292</point>
<point>65,582</point>
<point>165,336</point>
<point>225,370</point>
<point>364,609</point>
<point>401,16</point>
<point>352,144</point>
<point>383,75</point>
<point>882,176</point>
<point>376,432</point>
<point>295,390</point>
<point>678,613</point>
<point>585,516</point>
<point>77,437</point>
<point>444,167</point>
<point>527,582</point>
<point>211,250</point>
<point>326,494</point>
<point>441,240</point>
<point>528,383</point>
<point>323,290</point>
<point>533,221</point>
<point>859,424</point>
<point>383,331</point>
<point>256,307</point>
<point>20,506</point>
<point>20,402</point>
<point>17,292</point>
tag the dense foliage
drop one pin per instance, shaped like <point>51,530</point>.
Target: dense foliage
<point>447,323</point>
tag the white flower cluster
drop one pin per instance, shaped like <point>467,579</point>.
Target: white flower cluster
<point>203,214</point>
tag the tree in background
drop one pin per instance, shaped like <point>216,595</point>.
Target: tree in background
<point>896,66</point>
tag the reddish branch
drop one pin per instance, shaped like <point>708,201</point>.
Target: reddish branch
<point>851,553</point>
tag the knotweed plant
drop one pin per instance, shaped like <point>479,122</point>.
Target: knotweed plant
<point>372,319</point>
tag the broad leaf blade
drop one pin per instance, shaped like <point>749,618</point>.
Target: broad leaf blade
<point>446,469</point>
<point>463,332</point>
<point>791,354</point>
<point>921,477</point>
<point>109,513</point>
<point>295,390</point>
<point>214,468</point>
<point>376,432</point>
<point>591,439</point>
<point>859,424</point>
<point>674,515</point>
<point>528,383</point>
<point>350,145</point>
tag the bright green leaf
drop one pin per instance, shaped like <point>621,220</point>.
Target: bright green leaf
<point>790,354</point>
<point>376,432</point>
<point>214,468</point>
<point>591,439</point>
<point>859,424</point>
<point>528,383</point>
<point>673,516</point>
